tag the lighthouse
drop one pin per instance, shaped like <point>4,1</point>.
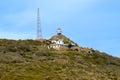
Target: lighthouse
<point>59,31</point>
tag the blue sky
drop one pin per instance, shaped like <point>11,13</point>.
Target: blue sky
<point>90,23</point>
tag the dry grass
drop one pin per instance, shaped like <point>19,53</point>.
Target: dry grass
<point>31,60</point>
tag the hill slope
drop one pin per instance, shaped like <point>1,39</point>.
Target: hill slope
<point>31,60</point>
<point>66,40</point>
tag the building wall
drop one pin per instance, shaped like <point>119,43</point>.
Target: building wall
<point>60,41</point>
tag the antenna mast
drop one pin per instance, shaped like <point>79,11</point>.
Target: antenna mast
<point>39,31</point>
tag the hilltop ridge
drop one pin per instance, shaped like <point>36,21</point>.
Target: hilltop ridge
<point>66,39</point>
<point>32,60</point>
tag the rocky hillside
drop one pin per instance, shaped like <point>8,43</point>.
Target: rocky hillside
<point>31,60</point>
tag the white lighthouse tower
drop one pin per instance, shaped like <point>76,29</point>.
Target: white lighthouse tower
<point>59,31</point>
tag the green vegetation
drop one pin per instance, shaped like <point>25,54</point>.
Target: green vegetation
<point>31,60</point>
<point>66,40</point>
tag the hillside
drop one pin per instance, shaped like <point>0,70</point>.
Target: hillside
<point>66,40</point>
<point>31,60</point>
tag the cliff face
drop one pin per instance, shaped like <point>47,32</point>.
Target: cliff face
<point>31,60</point>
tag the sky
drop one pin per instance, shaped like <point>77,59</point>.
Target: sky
<point>90,23</point>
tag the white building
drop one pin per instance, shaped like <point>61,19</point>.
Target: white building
<point>58,41</point>
<point>58,44</point>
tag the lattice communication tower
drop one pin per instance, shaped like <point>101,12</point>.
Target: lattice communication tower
<point>39,30</point>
